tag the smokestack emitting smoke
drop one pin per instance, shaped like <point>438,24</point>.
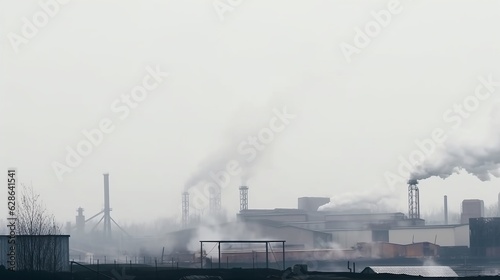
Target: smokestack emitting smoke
<point>413,200</point>
<point>250,138</point>
<point>215,203</point>
<point>243,198</point>
<point>185,209</point>
<point>480,162</point>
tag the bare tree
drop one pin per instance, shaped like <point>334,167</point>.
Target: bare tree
<point>38,248</point>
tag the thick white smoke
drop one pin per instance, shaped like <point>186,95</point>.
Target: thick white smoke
<point>210,169</point>
<point>249,139</point>
<point>476,151</point>
<point>375,200</point>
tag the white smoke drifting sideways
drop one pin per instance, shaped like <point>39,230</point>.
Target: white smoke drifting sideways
<point>377,199</point>
<point>476,152</point>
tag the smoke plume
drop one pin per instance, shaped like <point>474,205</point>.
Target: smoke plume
<point>247,122</point>
<point>475,151</point>
<point>375,200</point>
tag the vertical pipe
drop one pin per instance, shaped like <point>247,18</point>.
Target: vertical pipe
<point>498,214</point>
<point>219,255</point>
<point>283,255</point>
<point>162,253</point>
<point>201,254</point>
<point>107,215</point>
<point>445,209</point>
<point>267,255</point>
<point>418,203</point>
<point>253,259</point>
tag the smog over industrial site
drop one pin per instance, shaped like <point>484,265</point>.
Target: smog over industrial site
<point>177,139</point>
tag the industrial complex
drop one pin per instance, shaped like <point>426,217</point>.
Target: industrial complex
<point>322,239</point>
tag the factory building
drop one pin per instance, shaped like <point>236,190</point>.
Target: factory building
<point>442,235</point>
<point>485,237</point>
<point>318,230</point>
<point>315,224</point>
<point>347,229</point>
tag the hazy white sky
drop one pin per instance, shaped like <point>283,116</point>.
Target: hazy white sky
<point>352,120</point>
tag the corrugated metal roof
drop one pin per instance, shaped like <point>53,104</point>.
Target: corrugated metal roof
<point>426,271</point>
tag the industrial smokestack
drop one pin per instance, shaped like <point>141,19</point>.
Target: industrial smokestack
<point>413,200</point>
<point>445,209</point>
<point>185,209</point>
<point>498,210</point>
<point>243,198</point>
<point>215,202</point>
<point>80,222</point>
<point>107,209</point>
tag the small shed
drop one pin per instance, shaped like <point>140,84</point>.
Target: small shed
<point>425,271</point>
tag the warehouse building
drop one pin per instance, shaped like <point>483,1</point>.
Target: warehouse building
<point>37,252</point>
<point>485,237</point>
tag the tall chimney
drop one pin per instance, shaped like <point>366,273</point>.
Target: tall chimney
<point>107,209</point>
<point>185,209</point>
<point>445,209</point>
<point>80,222</point>
<point>498,210</point>
<point>243,198</point>
<point>215,201</point>
<point>413,200</point>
